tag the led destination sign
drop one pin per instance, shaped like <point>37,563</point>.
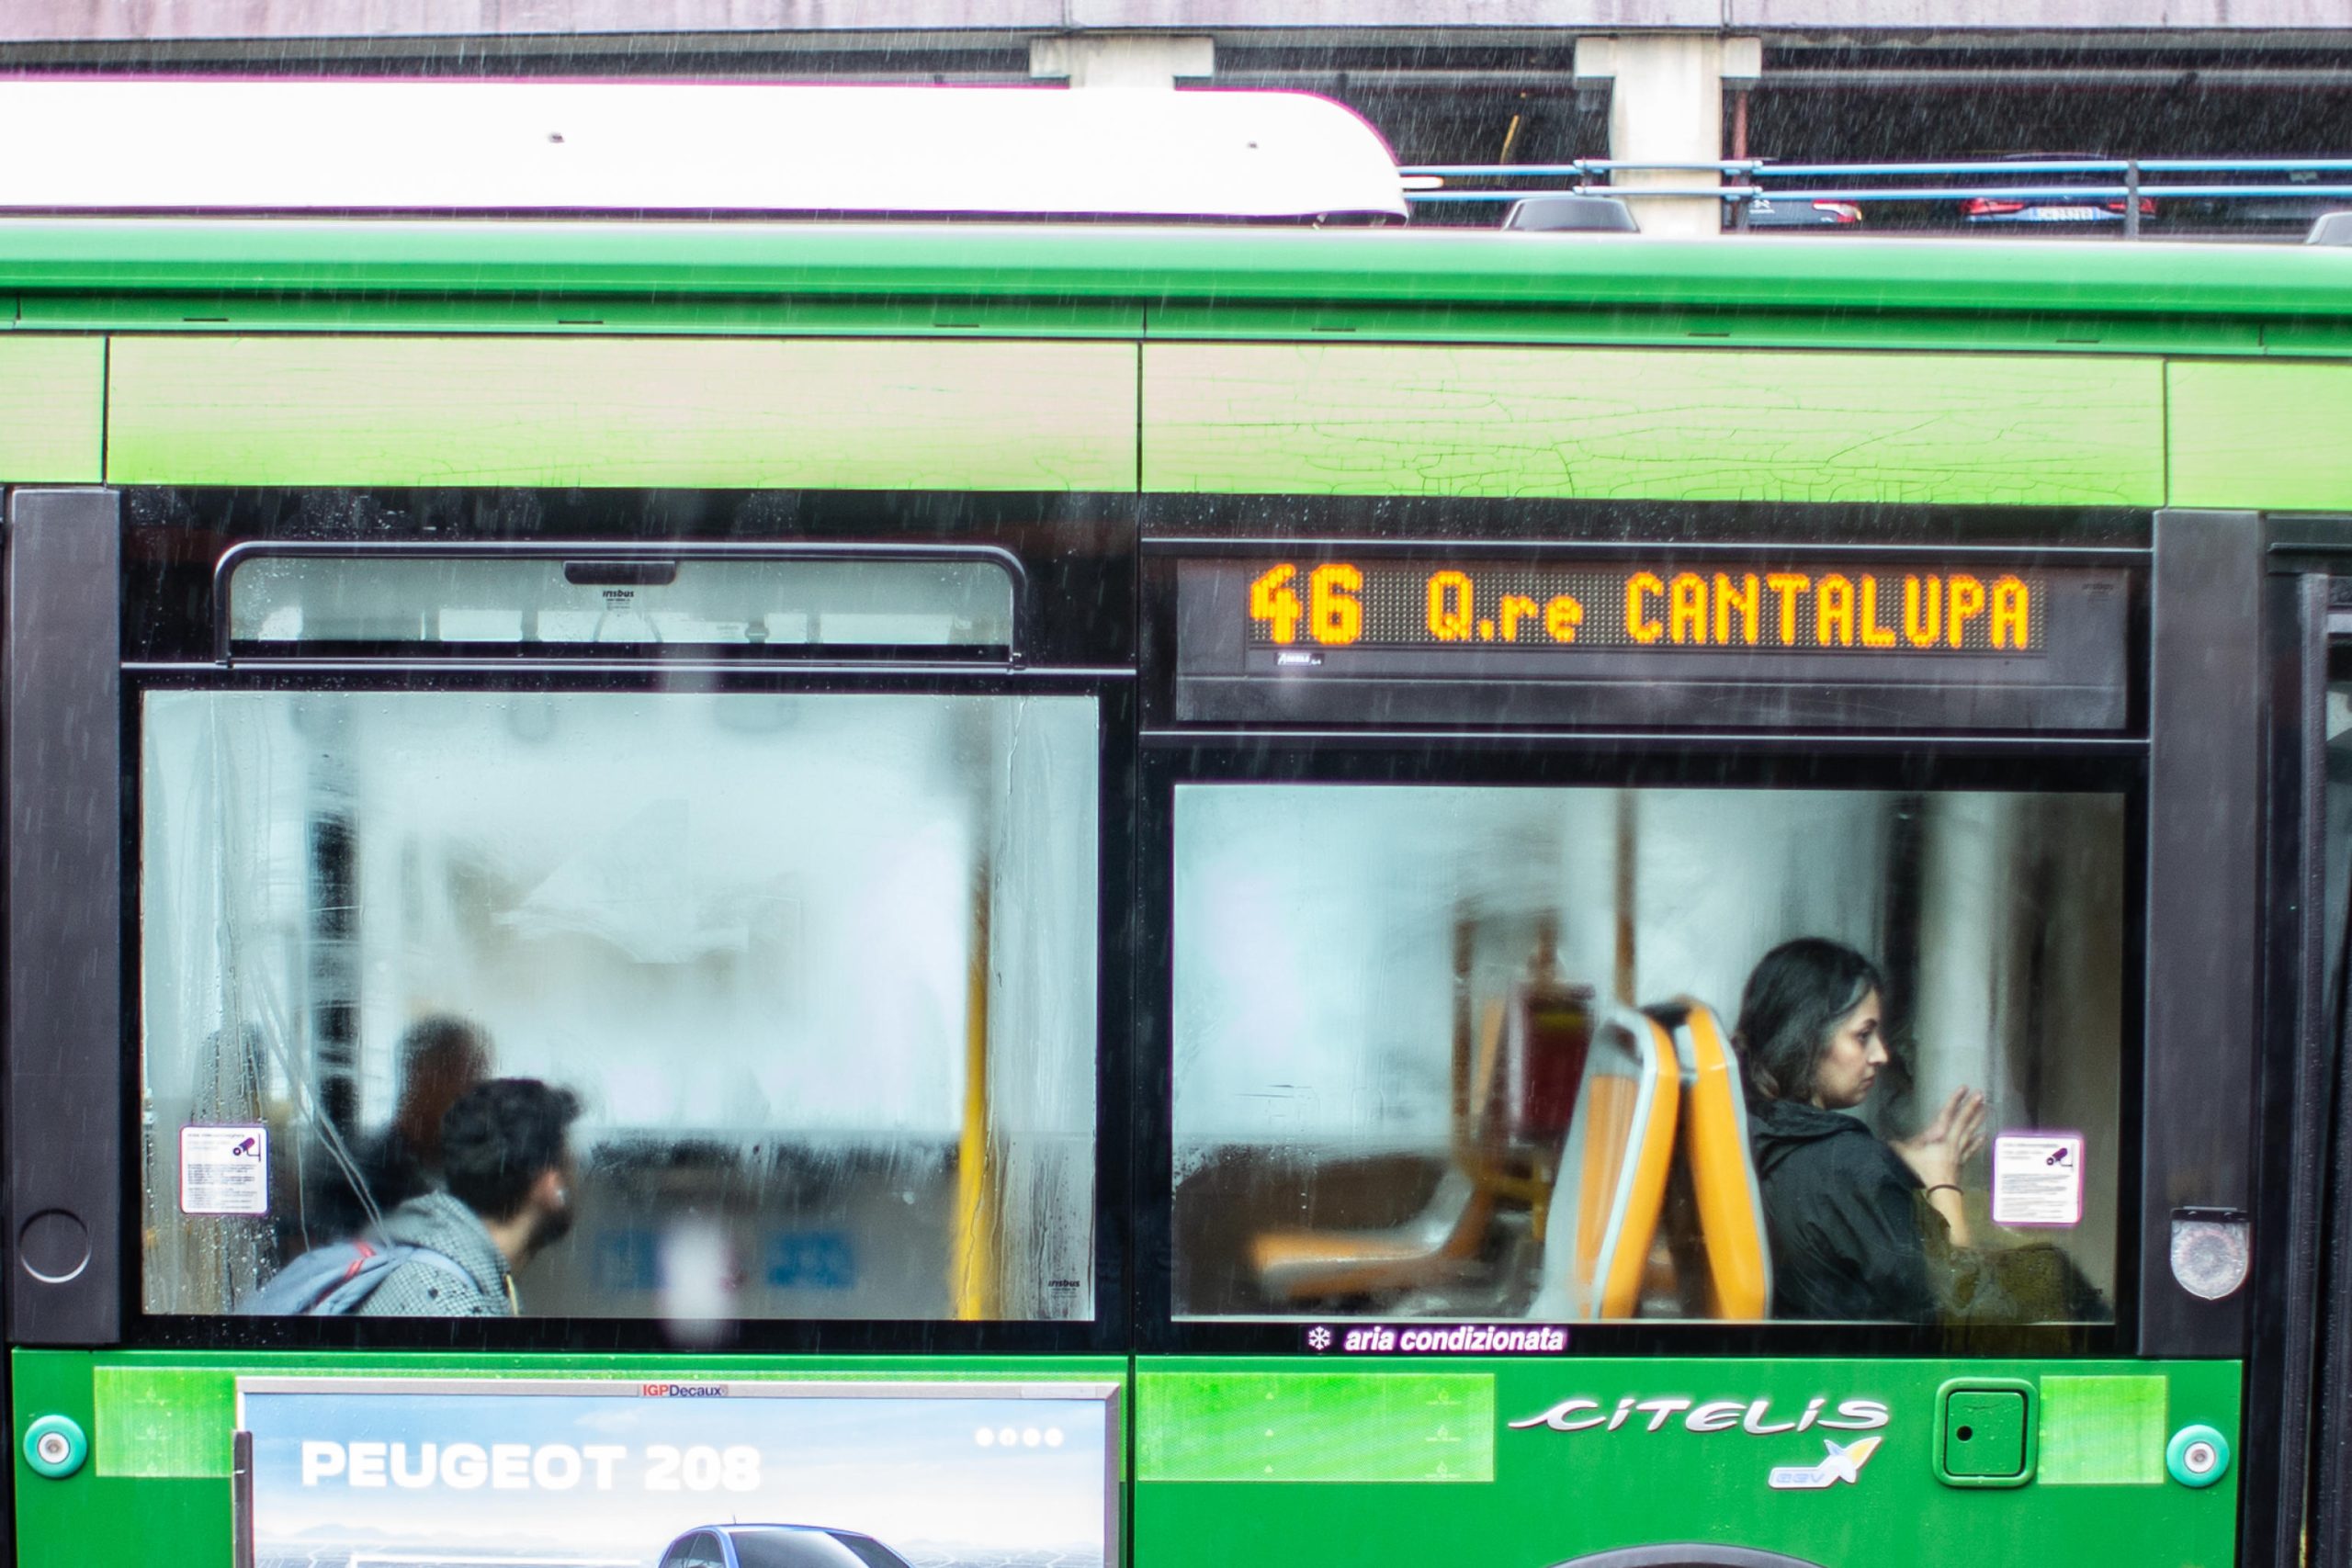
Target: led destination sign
<point>1343,633</point>
<point>1660,608</point>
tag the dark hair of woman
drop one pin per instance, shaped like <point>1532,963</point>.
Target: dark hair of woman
<point>1794,997</point>
<point>441,1057</point>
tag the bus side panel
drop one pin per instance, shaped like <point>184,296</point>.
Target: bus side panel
<point>1683,425</point>
<point>1514,1461</point>
<point>858,414</point>
<point>2266,436</point>
<point>51,416</point>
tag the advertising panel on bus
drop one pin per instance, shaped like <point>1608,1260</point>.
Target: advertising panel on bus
<point>612,1473</point>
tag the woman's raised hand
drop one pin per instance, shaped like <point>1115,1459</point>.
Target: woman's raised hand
<point>1971,1130</point>
<point>1937,1151</point>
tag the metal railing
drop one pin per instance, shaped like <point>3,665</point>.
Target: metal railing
<point>2007,180</point>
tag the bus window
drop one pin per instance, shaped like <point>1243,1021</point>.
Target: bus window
<point>281,601</point>
<point>1578,1054</point>
<point>805,983</point>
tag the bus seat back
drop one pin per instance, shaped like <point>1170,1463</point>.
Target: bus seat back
<point>1612,1171</point>
<point>1547,1038</point>
<point>1721,1167</point>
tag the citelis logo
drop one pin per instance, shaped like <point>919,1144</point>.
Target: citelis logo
<point>1843,1463</point>
<point>1754,1417</point>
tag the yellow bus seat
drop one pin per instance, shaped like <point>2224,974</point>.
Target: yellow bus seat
<point>1522,1084</point>
<point>1618,1149</point>
<point>1306,1265</point>
<point>1721,1167</point>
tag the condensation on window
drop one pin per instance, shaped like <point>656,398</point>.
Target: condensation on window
<point>1464,1051</point>
<point>820,969</point>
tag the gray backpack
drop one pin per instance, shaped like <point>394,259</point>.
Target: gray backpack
<point>336,1280</point>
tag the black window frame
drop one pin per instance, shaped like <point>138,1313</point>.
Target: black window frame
<point>625,560</point>
<point>1077,554</point>
<point>1519,761</point>
<point>176,1330</point>
<point>1854,753</point>
<point>1096,568</point>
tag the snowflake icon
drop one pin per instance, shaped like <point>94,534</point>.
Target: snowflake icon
<point>1318,1339</point>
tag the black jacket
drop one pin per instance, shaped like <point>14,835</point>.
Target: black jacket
<point>1848,1224</point>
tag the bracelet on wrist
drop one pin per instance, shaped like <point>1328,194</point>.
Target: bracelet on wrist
<point>1945,1186</point>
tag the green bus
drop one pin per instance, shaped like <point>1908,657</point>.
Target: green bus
<point>726,894</point>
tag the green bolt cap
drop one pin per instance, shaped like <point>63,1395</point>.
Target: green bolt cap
<point>55,1447</point>
<point>2198,1456</point>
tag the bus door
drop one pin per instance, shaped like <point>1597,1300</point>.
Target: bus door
<point>610,926</point>
<point>2307,1307</point>
<point>1694,1035</point>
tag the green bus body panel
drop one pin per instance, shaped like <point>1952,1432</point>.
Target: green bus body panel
<point>1271,1479</point>
<point>52,409</point>
<point>1283,1461</point>
<point>1698,424</point>
<point>1655,424</point>
<point>2276,437</point>
<point>1314,1424</point>
<point>995,357</point>
<point>159,1422</point>
<point>1164,263</point>
<point>862,415</point>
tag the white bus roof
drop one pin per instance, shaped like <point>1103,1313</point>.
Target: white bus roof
<point>670,149</point>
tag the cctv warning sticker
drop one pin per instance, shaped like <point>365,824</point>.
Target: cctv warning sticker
<point>2038,1179</point>
<point>224,1170</point>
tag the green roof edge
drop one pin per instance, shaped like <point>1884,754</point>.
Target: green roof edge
<point>1198,263</point>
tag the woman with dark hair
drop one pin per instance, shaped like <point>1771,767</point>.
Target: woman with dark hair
<point>1854,1223</point>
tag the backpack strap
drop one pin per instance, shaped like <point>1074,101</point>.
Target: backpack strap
<point>371,1265</point>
